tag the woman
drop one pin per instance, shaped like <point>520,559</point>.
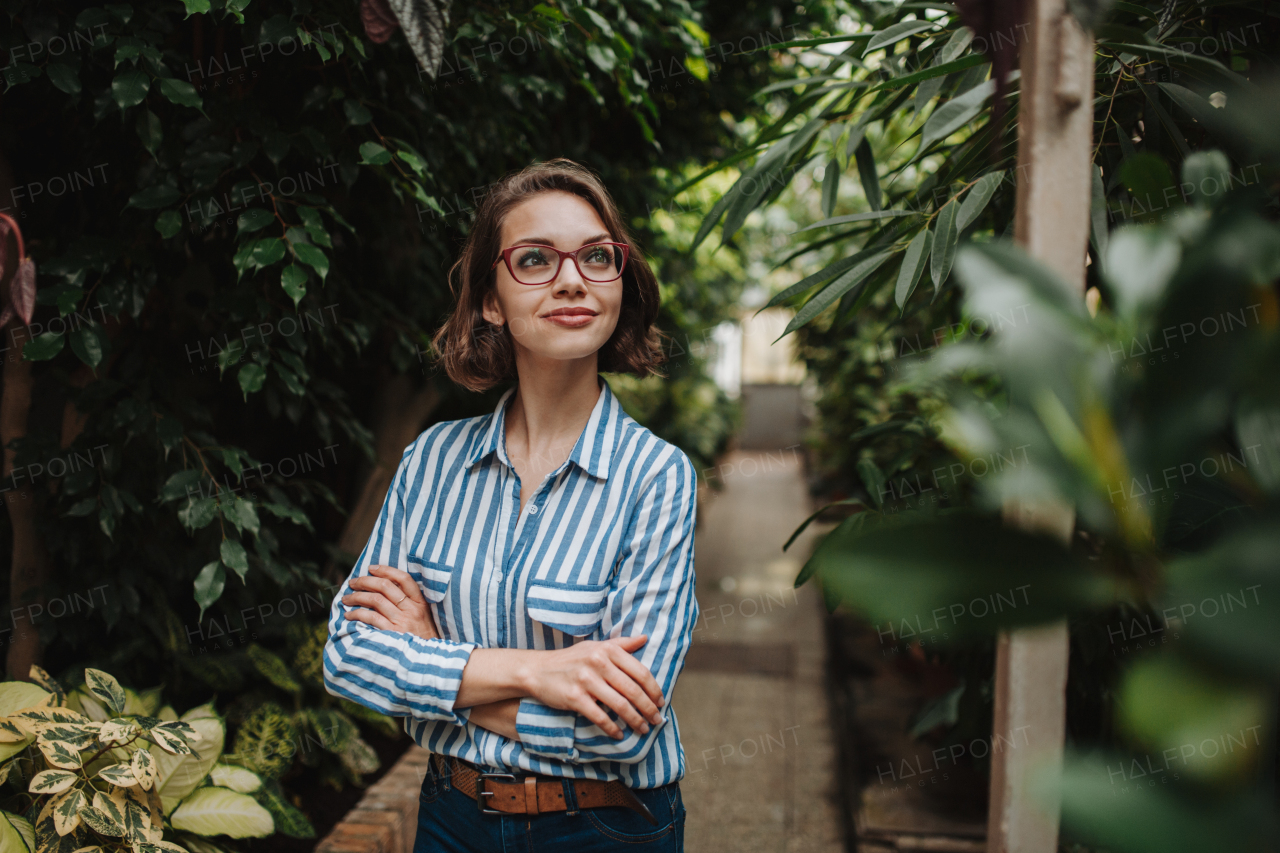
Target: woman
<point>532,636</point>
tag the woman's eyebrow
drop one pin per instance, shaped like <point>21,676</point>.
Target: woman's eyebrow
<point>546,241</point>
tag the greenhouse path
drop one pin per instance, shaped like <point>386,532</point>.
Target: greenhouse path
<point>751,702</point>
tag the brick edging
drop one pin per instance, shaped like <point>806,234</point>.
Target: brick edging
<point>386,818</point>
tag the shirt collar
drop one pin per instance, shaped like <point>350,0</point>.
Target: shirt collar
<point>594,449</point>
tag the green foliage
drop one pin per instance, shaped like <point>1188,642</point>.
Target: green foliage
<point>1173,508</point>
<point>110,776</point>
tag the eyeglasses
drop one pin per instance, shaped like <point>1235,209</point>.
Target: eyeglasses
<point>535,264</point>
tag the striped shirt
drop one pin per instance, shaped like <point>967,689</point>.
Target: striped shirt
<point>603,548</point>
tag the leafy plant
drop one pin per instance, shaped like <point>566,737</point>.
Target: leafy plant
<point>95,769</point>
<point>1169,458</point>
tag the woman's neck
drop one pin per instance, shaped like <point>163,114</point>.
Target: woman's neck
<point>549,411</point>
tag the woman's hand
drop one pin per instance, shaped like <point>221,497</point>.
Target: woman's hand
<point>390,599</point>
<point>605,672</point>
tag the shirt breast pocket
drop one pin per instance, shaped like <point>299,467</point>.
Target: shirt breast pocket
<point>432,577</point>
<point>573,608</point>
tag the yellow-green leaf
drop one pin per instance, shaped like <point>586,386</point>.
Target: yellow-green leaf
<point>52,782</point>
<point>217,811</point>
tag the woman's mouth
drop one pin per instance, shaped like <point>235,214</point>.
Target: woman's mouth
<point>570,321</point>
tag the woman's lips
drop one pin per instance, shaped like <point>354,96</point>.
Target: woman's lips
<point>570,321</point>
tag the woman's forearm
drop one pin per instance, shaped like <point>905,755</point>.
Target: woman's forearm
<point>497,717</point>
<point>495,675</point>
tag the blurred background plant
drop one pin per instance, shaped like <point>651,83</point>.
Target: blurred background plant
<point>875,163</point>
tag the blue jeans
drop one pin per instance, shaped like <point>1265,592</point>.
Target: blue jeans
<point>450,822</point>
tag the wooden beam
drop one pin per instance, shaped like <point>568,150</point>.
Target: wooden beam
<point>1055,133</point>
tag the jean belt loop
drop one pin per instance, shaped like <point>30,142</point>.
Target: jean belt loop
<point>570,797</point>
<point>447,776</point>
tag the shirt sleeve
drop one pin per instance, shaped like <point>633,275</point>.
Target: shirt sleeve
<point>397,674</point>
<point>653,594</point>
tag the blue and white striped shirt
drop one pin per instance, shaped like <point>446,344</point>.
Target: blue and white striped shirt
<point>603,548</point>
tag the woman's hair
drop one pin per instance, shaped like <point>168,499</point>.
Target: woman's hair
<point>477,354</point>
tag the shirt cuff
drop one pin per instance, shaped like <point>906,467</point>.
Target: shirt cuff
<point>547,731</point>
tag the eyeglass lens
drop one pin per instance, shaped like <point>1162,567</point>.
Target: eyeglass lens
<point>538,265</point>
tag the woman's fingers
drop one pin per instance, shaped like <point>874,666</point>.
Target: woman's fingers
<point>372,600</point>
<point>371,617</point>
<point>587,707</point>
<point>400,579</point>
<point>624,709</point>
<point>382,586</point>
<point>639,706</point>
<point>640,674</point>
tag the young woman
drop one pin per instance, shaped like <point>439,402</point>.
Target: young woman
<point>527,596</point>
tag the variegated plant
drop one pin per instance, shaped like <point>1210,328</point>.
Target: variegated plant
<point>103,769</point>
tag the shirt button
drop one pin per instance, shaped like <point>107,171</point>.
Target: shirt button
<point>533,510</point>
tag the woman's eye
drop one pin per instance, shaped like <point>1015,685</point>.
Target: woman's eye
<point>597,255</point>
<point>531,258</point>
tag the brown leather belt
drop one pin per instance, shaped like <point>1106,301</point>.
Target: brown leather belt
<point>497,792</point>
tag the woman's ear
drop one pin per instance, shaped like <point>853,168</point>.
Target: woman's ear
<point>490,310</point>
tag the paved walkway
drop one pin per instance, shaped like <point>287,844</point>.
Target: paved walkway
<point>751,702</point>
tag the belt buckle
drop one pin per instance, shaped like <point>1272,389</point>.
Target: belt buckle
<point>481,793</point>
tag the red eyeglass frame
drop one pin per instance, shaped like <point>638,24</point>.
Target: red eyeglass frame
<point>505,255</point>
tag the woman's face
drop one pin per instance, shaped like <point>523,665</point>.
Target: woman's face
<point>535,313</point>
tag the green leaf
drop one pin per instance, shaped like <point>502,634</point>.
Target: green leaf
<point>209,585</point>
<point>252,376</point>
<point>273,668</point>
<point>954,576</point>
<point>373,154</point>
<point>267,251</point>
<point>130,88</point>
<point>1140,262</point>
<point>294,281</point>
<point>169,223</point>
<point>180,484</point>
<point>913,263</point>
<point>196,7</point>
<point>289,820</point>
<point>867,173</point>
<point>1165,703</point>
<point>1098,235</point>
<point>977,199</point>
<point>198,513</point>
<point>357,113</point>
<point>16,834</point>
<point>87,342</point>
<point>254,219</point>
<point>160,195</point>
<point>64,77</point>
<point>106,688</point>
<point>896,33</point>
<point>1208,173</point>
<point>217,811</point>
<point>851,279</point>
<point>234,557</point>
<point>44,346</point>
<point>235,778</point>
<point>954,114</point>
<point>243,515</point>
<point>312,257</point>
<point>180,92</point>
<point>944,244</point>
<point>830,187</point>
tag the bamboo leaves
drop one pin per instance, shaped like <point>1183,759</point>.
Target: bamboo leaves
<point>912,266</point>
<point>866,263</point>
<point>944,245</point>
<point>976,201</point>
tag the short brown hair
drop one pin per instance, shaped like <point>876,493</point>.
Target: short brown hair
<point>477,354</point>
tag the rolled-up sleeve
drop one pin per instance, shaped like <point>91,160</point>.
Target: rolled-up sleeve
<point>652,594</point>
<point>398,674</point>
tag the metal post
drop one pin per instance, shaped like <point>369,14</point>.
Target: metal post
<point>1055,129</point>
